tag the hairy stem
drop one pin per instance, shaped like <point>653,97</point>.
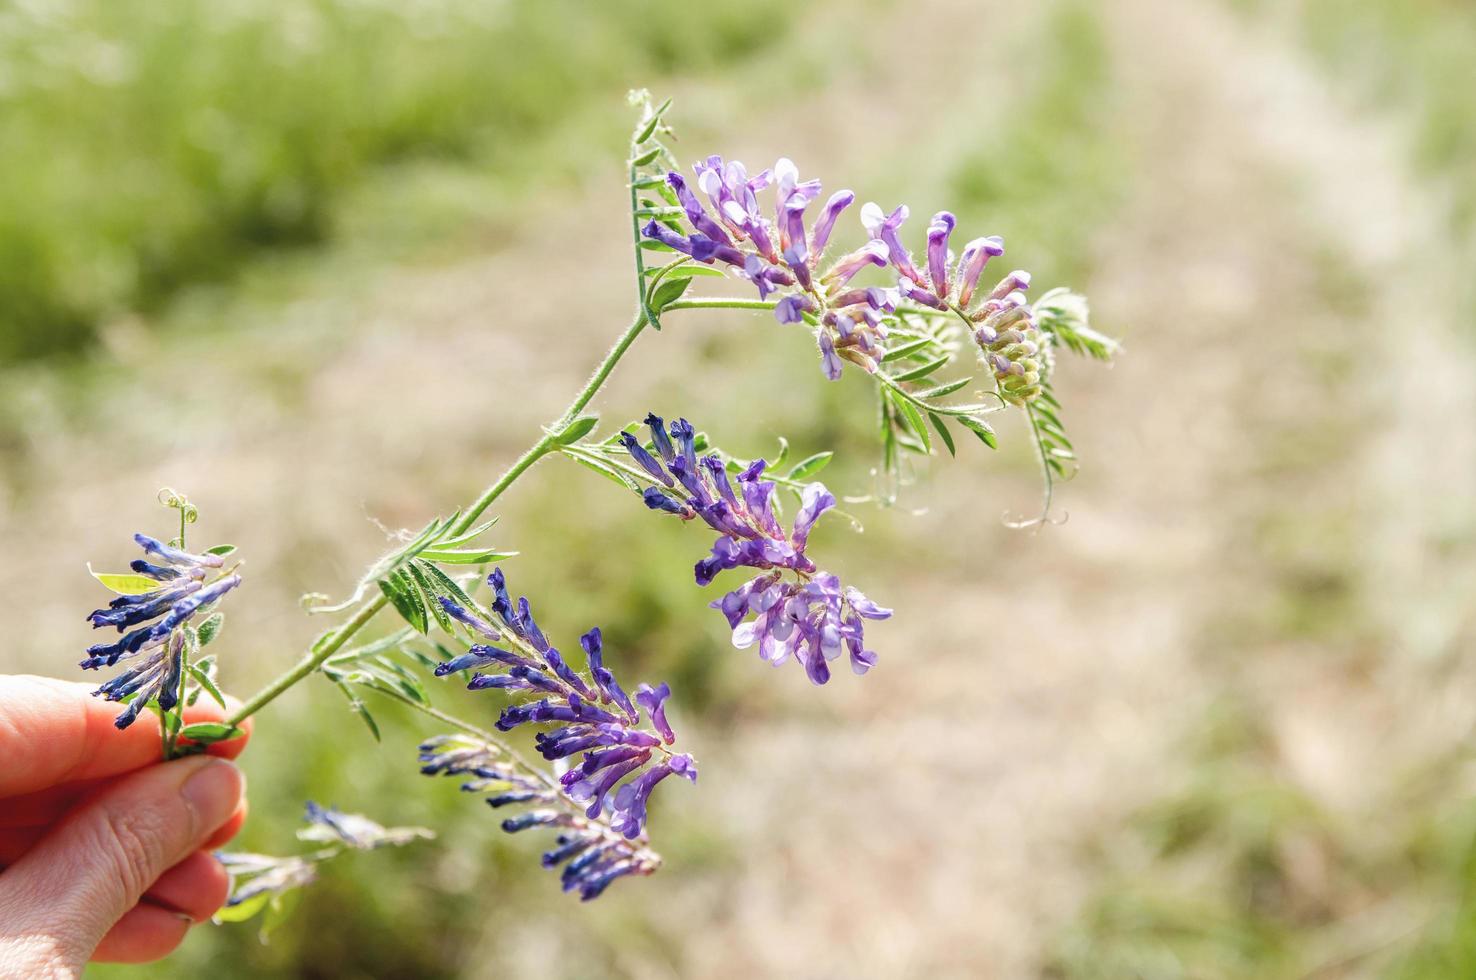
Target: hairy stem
<point>546,444</point>
<point>311,660</point>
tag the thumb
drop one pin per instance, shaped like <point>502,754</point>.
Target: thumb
<point>61,898</point>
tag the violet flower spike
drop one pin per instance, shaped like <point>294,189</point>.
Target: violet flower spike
<point>971,265</point>
<point>790,608</point>
<point>592,851</point>
<point>779,255</point>
<point>579,704</point>
<point>153,624</point>
<point>938,232</point>
<point>884,226</point>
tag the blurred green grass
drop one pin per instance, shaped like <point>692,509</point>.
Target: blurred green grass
<point>150,146</point>
<point>1417,58</point>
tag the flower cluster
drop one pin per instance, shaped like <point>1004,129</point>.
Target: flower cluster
<point>810,615</point>
<point>594,714</point>
<point>851,323</point>
<point>152,624</point>
<point>783,254</point>
<point>1004,326</point>
<point>593,853</point>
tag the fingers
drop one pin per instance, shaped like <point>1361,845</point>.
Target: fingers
<point>228,830</point>
<point>144,934</point>
<point>196,887</point>
<point>55,732</point>
<point>83,876</point>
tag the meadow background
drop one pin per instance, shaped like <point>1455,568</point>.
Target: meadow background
<point>326,266</point>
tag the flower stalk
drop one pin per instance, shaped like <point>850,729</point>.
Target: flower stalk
<point>606,750</point>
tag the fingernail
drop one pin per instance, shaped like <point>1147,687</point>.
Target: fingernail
<point>212,792</point>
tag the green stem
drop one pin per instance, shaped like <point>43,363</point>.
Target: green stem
<point>533,454</point>
<point>720,303</point>
<point>312,660</point>
<point>635,230</point>
<point>548,443</point>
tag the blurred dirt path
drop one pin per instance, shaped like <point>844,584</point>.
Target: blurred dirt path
<point>1288,437</point>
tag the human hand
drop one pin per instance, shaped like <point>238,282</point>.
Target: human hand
<point>104,849</point>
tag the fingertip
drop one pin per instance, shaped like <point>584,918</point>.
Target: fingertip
<point>213,789</point>
<point>231,827</point>
<point>144,934</point>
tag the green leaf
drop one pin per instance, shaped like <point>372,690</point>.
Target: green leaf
<point>191,643</point>
<point>442,584</point>
<point>652,245</point>
<point>359,709</point>
<point>220,549</point>
<point>464,556</point>
<point>689,270</point>
<point>648,157</point>
<point>202,677</point>
<point>400,590</point>
<point>647,130</point>
<point>810,466</point>
<point>397,677</point>
<point>665,213</point>
<point>897,353</point>
<point>576,430</point>
<point>466,537</point>
<point>124,583</point>
<point>427,594</point>
<point>608,472</point>
<point>924,370</point>
<point>210,628</point>
<point>980,429</point>
<point>420,657</point>
<point>206,732</point>
<point>943,433</point>
<point>943,389</point>
<point>244,911</point>
<point>669,291</point>
<point>914,423</point>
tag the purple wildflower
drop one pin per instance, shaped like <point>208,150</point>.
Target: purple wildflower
<point>1009,342</point>
<point>593,714</point>
<point>152,624</point>
<point>593,851</point>
<point>809,616</point>
<point>777,253</point>
<point>1005,330</point>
